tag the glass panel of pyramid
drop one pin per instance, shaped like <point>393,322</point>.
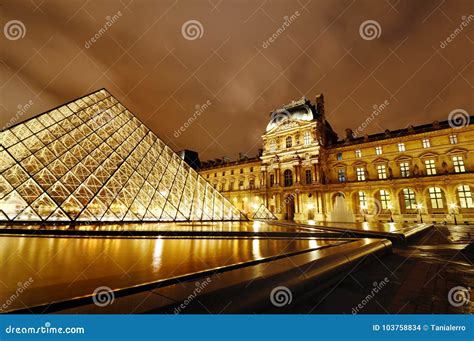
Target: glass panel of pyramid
<point>93,160</point>
<point>263,213</point>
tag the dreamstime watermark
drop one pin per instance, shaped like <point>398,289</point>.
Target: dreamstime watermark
<point>370,30</point>
<point>199,109</point>
<point>192,30</point>
<point>459,118</point>
<point>373,206</point>
<point>14,30</point>
<point>459,296</point>
<point>377,110</point>
<point>375,290</point>
<point>281,296</point>
<point>46,329</point>
<point>288,20</point>
<point>465,22</point>
<point>22,286</point>
<point>200,286</point>
<point>103,296</point>
<point>110,21</point>
<point>22,109</point>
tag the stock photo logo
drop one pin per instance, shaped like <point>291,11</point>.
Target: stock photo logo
<point>103,296</point>
<point>459,118</point>
<point>192,30</point>
<point>459,296</point>
<point>370,30</point>
<point>281,296</point>
<point>14,30</point>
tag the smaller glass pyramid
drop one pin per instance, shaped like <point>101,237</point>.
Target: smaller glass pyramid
<point>92,160</point>
<point>263,213</point>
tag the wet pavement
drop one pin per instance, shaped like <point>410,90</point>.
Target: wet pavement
<point>420,278</point>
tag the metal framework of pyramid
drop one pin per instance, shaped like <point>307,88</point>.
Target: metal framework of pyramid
<point>92,160</point>
<point>263,213</point>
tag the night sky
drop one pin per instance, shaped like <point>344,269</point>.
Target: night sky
<point>163,72</point>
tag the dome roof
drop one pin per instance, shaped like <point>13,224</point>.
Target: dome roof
<point>298,113</point>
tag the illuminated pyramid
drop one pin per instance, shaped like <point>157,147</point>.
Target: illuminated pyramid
<point>263,213</point>
<point>92,160</point>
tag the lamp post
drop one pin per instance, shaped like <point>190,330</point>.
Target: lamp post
<point>419,206</point>
<point>364,211</point>
<point>453,208</point>
<point>389,206</point>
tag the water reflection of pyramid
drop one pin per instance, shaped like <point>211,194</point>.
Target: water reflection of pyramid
<point>92,160</point>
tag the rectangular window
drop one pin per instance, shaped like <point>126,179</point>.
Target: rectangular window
<point>378,150</point>
<point>215,175</point>
<point>307,138</point>
<point>341,175</point>
<point>308,176</point>
<point>409,199</point>
<point>207,176</point>
<point>465,196</point>
<point>232,172</point>
<point>251,184</point>
<point>404,170</point>
<point>382,172</point>
<point>241,170</point>
<point>453,139</point>
<point>223,173</point>
<point>436,197</point>
<point>251,169</point>
<point>430,167</point>
<point>272,179</point>
<point>360,173</point>
<point>339,156</point>
<point>458,164</point>
<point>426,143</point>
<point>358,153</point>
<point>401,147</point>
<point>385,199</point>
<point>241,184</point>
<point>362,200</point>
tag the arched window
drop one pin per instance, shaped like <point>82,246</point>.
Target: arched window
<point>307,138</point>
<point>289,142</point>
<point>408,199</point>
<point>465,196</point>
<point>436,197</point>
<point>384,197</point>
<point>288,175</point>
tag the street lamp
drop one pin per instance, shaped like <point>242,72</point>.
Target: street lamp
<point>419,206</point>
<point>453,207</point>
<point>364,211</point>
<point>389,206</point>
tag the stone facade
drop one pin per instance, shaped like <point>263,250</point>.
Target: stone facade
<point>422,172</point>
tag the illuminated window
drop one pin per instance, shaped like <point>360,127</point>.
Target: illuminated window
<point>360,171</point>
<point>378,150</point>
<point>289,142</point>
<point>307,138</point>
<point>362,200</point>
<point>404,169</point>
<point>465,196</point>
<point>401,147</point>
<point>409,198</point>
<point>341,175</point>
<point>453,139</point>
<point>308,176</point>
<point>288,176</point>
<point>430,167</point>
<point>339,156</point>
<point>358,153</point>
<point>272,146</point>
<point>384,199</point>
<point>458,164</point>
<point>382,172</point>
<point>426,143</point>
<point>436,197</point>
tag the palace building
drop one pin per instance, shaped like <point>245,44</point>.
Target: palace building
<point>408,175</point>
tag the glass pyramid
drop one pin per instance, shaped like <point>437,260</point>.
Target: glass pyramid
<point>263,213</point>
<point>92,160</point>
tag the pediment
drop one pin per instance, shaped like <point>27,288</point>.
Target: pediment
<point>428,155</point>
<point>286,125</point>
<point>456,150</point>
<point>403,157</point>
<point>380,160</point>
